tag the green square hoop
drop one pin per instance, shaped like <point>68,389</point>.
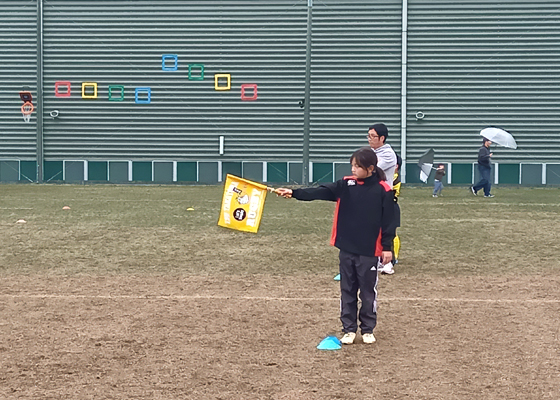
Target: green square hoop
<point>199,77</point>
<point>116,87</point>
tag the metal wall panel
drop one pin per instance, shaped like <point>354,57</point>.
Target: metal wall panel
<point>122,43</point>
<point>471,64</point>
<point>479,63</point>
<point>18,72</point>
<point>356,75</point>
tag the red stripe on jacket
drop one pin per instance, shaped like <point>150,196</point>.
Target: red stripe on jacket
<point>385,186</point>
<point>334,223</point>
<point>378,246</point>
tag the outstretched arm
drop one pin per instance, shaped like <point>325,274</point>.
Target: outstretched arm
<point>287,193</point>
<point>322,192</point>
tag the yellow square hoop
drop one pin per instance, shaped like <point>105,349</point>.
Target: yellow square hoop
<point>90,84</point>
<point>216,81</point>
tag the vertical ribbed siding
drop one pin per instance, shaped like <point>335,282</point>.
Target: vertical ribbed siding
<point>478,63</point>
<point>471,64</point>
<point>122,42</point>
<point>18,72</point>
<point>356,74</point>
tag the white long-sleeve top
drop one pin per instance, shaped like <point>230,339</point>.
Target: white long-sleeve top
<point>387,161</point>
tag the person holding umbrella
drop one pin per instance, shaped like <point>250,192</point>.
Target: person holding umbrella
<point>484,168</point>
<point>490,135</point>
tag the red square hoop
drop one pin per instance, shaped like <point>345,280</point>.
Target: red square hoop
<point>62,83</point>
<point>246,86</point>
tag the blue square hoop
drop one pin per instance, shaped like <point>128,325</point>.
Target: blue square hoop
<point>165,58</point>
<point>143,90</point>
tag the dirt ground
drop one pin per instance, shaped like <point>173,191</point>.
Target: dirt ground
<point>255,337</point>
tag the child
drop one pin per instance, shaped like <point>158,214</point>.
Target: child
<point>362,232</point>
<point>438,184</point>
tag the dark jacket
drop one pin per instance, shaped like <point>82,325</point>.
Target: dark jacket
<point>363,214</point>
<point>484,156</point>
<point>439,174</point>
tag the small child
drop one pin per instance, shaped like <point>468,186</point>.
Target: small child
<point>362,231</point>
<point>438,184</point>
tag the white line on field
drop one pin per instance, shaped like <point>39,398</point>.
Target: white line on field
<point>267,298</point>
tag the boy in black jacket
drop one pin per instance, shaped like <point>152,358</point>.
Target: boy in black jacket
<point>362,232</point>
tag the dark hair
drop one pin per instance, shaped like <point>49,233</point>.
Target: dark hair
<point>484,140</point>
<point>399,161</point>
<point>381,130</point>
<point>365,157</point>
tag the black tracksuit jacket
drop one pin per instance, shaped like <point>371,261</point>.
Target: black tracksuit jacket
<point>363,215</point>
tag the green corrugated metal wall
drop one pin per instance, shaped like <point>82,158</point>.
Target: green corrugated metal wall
<point>122,43</point>
<point>355,78</point>
<point>470,64</point>
<point>355,74</point>
<point>18,72</point>
<point>479,63</point>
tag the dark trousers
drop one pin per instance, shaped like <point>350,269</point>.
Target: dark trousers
<point>485,181</point>
<point>358,272</point>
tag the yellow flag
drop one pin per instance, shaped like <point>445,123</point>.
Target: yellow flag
<point>242,204</point>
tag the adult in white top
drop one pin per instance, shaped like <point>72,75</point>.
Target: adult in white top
<point>387,161</point>
<point>386,157</point>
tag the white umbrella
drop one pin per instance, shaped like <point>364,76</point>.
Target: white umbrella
<point>426,163</point>
<point>499,136</point>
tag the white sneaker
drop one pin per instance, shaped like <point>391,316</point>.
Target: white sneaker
<point>387,269</point>
<point>368,338</point>
<point>348,338</point>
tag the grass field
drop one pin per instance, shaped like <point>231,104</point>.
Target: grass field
<point>128,295</point>
<point>147,229</point>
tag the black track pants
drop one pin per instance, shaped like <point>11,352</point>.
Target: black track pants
<point>358,272</point>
